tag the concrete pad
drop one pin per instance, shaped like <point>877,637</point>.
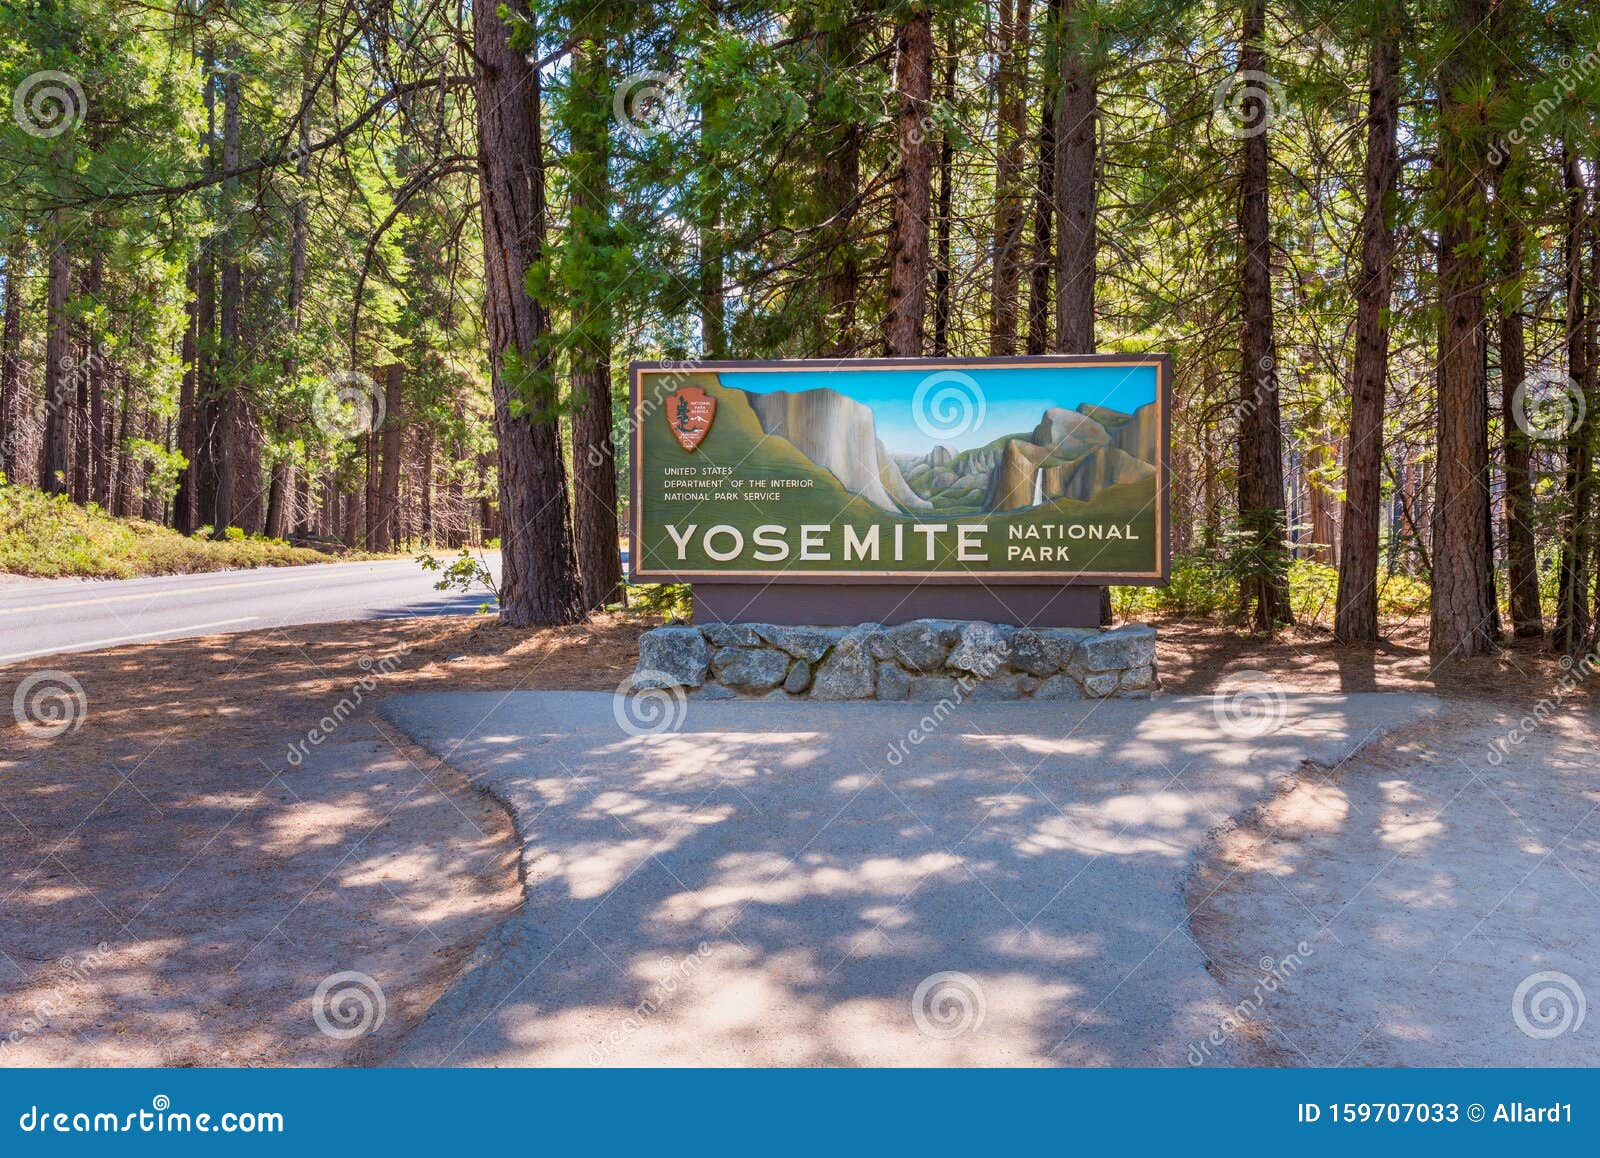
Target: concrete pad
<point>841,884</point>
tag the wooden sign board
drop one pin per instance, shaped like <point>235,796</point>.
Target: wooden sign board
<point>1040,470</point>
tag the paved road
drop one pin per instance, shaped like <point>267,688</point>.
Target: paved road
<point>768,885</point>
<point>45,617</point>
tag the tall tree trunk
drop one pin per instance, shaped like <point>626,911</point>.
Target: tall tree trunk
<point>98,461</point>
<point>539,580</point>
<point>1265,588</point>
<point>1461,620</point>
<point>1355,618</point>
<point>426,437</point>
<point>230,433</point>
<point>1011,155</point>
<point>386,522</point>
<point>1075,190</point>
<point>594,457</point>
<point>1044,183</point>
<point>82,369</point>
<point>183,504</point>
<point>942,222</point>
<point>122,503</point>
<point>1522,565</point>
<point>908,241</point>
<point>1572,596</point>
<point>11,361</point>
<point>55,464</point>
<point>839,175</point>
<point>1076,196</point>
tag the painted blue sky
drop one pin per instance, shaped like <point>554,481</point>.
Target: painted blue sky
<point>1014,397</point>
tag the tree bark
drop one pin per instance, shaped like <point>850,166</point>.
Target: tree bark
<point>594,465</point>
<point>229,425</point>
<point>53,476</point>
<point>1522,565</point>
<point>1265,587</point>
<point>942,222</point>
<point>539,580</point>
<point>1076,196</point>
<point>1572,596</point>
<point>1075,189</point>
<point>386,522</point>
<point>1006,254</point>
<point>1355,618</point>
<point>908,242</point>
<point>1461,619</point>
<point>11,362</point>
<point>1038,340</point>
<point>839,190</point>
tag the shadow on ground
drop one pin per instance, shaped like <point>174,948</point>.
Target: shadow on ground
<point>857,884</point>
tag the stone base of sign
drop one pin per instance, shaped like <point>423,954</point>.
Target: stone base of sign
<point>924,660</point>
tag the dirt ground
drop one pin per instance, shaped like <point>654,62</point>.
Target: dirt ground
<point>231,850</point>
<point>229,863</point>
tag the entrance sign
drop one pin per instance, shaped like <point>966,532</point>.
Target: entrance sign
<point>990,470</point>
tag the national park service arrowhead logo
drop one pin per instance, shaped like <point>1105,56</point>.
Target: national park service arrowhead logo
<point>689,413</point>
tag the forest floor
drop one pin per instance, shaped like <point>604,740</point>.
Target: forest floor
<point>232,849</point>
<point>47,536</point>
<point>229,863</point>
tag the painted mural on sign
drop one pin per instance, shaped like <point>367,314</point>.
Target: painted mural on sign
<point>994,469</point>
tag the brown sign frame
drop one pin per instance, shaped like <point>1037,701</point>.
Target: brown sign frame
<point>1157,578</point>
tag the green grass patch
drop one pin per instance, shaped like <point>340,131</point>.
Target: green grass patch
<point>50,536</point>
